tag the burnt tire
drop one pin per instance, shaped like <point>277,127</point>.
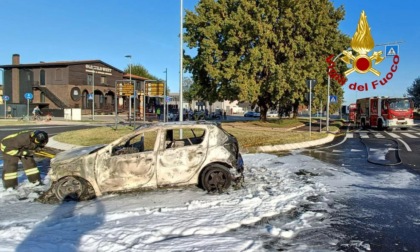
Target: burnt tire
<point>73,188</point>
<point>216,178</point>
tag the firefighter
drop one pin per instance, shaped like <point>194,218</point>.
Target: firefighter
<point>21,146</point>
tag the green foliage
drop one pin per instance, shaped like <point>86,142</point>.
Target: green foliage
<point>189,93</point>
<point>414,92</point>
<point>140,70</point>
<point>263,51</point>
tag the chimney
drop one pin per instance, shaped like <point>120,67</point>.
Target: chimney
<point>16,59</point>
<point>15,79</point>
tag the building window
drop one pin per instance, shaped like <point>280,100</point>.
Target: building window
<point>58,74</point>
<point>42,97</point>
<point>90,79</point>
<point>42,78</point>
<point>103,80</point>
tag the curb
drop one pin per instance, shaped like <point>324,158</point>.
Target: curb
<point>60,146</point>
<point>293,146</point>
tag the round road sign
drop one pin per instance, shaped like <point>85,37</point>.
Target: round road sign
<point>29,96</point>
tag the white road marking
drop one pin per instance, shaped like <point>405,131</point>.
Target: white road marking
<point>393,135</point>
<point>405,144</point>
<point>409,135</point>
<point>363,135</point>
<point>379,135</point>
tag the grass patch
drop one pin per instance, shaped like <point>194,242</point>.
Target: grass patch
<point>249,134</point>
<point>9,122</point>
<point>93,136</point>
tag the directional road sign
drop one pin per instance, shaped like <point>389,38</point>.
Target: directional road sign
<point>6,98</point>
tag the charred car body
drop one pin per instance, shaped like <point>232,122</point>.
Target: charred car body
<point>152,156</point>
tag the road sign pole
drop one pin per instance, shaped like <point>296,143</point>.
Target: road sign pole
<point>27,109</point>
<point>310,108</point>
<point>134,106</point>
<point>320,118</point>
<point>5,106</point>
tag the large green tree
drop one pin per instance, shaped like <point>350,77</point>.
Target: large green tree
<point>414,92</point>
<point>262,51</point>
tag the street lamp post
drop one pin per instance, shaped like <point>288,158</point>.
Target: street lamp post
<point>180,67</point>
<point>165,102</point>
<point>5,102</point>
<point>129,99</point>
<point>93,95</point>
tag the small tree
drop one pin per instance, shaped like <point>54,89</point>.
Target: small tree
<point>140,70</point>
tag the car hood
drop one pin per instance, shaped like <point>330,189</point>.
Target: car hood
<point>77,152</point>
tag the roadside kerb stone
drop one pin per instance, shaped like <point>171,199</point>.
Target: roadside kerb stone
<point>293,146</point>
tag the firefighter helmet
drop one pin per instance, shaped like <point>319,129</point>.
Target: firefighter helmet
<point>40,138</point>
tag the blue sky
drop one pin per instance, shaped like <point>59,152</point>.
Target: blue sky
<point>45,30</point>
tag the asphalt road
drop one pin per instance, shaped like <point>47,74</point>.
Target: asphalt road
<point>382,216</point>
<point>385,219</point>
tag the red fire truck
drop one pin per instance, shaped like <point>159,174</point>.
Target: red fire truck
<point>352,112</point>
<point>384,112</point>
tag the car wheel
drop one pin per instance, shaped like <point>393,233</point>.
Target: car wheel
<point>216,178</point>
<point>72,188</point>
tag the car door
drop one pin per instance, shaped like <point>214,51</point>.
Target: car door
<point>181,158</point>
<point>129,164</point>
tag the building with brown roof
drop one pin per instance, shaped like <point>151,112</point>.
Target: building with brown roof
<point>65,84</point>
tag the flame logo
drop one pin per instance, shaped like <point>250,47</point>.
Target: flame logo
<point>362,42</point>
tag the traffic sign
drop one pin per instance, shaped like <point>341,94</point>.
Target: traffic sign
<point>333,99</point>
<point>391,50</point>
<point>6,98</point>
<point>29,96</point>
<point>154,89</point>
<point>90,96</point>
<point>127,89</point>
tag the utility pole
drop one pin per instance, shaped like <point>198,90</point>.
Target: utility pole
<point>181,112</point>
<point>165,102</point>
<point>129,98</point>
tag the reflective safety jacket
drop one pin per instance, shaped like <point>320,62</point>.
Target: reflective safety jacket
<point>16,144</point>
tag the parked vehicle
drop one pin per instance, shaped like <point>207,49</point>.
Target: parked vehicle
<point>272,113</point>
<point>251,114</point>
<point>352,112</point>
<point>384,112</point>
<point>152,156</point>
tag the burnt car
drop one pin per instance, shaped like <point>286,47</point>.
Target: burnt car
<point>152,156</point>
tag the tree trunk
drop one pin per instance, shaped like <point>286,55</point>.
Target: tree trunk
<point>295,109</point>
<point>263,111</point>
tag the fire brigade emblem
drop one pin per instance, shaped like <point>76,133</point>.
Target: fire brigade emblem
<point>362,42</point>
